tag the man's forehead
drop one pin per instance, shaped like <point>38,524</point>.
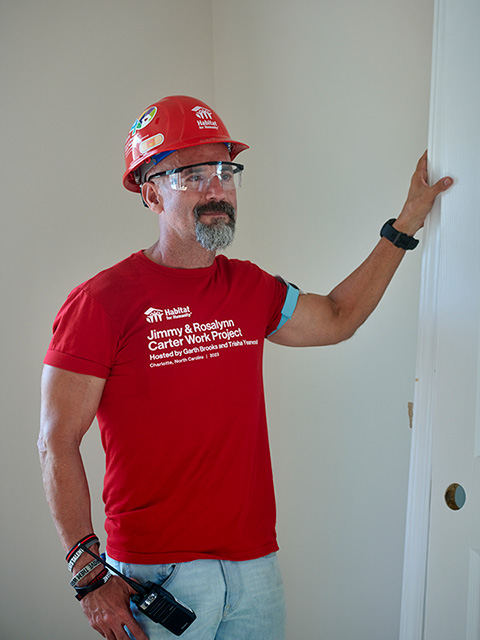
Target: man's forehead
<point>192,155</point>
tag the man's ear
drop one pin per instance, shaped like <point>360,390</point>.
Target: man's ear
<point>151,197</point>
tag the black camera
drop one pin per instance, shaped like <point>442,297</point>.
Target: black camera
<point>154,601</point>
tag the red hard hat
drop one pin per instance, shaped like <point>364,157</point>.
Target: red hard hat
<point>175,122</point>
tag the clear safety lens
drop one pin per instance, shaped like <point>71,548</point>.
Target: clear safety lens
<point>198,177</point>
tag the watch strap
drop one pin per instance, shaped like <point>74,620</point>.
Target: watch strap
<point>397,238</point>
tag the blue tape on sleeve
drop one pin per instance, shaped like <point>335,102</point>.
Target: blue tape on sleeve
<point>288,306</point>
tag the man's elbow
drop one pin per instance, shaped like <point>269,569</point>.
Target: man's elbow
<point>54,444</point>
<point>343,325</point>
<point>47,447</point>
<point>338,336</point>
<point>42,447</point>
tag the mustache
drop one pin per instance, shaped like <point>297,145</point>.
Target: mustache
<point>217,206</point>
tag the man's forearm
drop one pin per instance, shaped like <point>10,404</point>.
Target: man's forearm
<point>67,492</point>
<point>68,496</point>
<point>359,294</point>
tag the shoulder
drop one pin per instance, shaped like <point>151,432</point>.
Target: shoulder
<point>110,290</point>
<point>248,279</point>
<point>241,267</point>
<point>115,279</point>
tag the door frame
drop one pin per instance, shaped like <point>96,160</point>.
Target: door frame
<point>412,618</point>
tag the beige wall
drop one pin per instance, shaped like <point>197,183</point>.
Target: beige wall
<point>332,96</point>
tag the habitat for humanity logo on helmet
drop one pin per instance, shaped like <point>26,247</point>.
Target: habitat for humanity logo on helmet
<point>205,118</point>
<point>158,315</point>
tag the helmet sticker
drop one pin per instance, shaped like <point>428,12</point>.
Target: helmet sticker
<point>205,118</point>
<point>146,117</point>
<point>151,143</point>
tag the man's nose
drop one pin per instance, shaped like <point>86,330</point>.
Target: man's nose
<point>214,188</point>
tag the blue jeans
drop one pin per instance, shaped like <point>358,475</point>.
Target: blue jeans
<point>232,600</point>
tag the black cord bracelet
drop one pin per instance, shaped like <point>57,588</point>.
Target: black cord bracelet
<point>95,584</point>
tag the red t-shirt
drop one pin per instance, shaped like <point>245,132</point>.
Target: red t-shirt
<point>182,416</point>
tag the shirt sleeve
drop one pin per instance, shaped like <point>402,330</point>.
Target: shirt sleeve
<point>85,337</point>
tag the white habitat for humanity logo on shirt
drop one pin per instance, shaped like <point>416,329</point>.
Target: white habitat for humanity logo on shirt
<point>158,315</point>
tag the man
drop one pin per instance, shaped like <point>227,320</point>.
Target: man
<point>166,349</point>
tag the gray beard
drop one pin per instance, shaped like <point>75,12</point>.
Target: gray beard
<point>219,234</point>
<point>215,236</point>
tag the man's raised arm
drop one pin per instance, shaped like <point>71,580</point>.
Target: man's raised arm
<point>321,320</point>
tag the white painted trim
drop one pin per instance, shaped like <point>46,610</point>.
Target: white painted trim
<point>418,510</point>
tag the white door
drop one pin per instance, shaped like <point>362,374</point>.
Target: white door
<point>441,592</point>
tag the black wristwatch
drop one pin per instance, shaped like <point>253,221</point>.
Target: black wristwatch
<point>399,239</point>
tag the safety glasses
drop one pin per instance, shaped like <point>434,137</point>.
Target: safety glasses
<point>198,177</point>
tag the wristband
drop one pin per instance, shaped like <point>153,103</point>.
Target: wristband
<point>74,554</point>
<point>84,572</point>
<point>397,238</point>
<point>96,583</point>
